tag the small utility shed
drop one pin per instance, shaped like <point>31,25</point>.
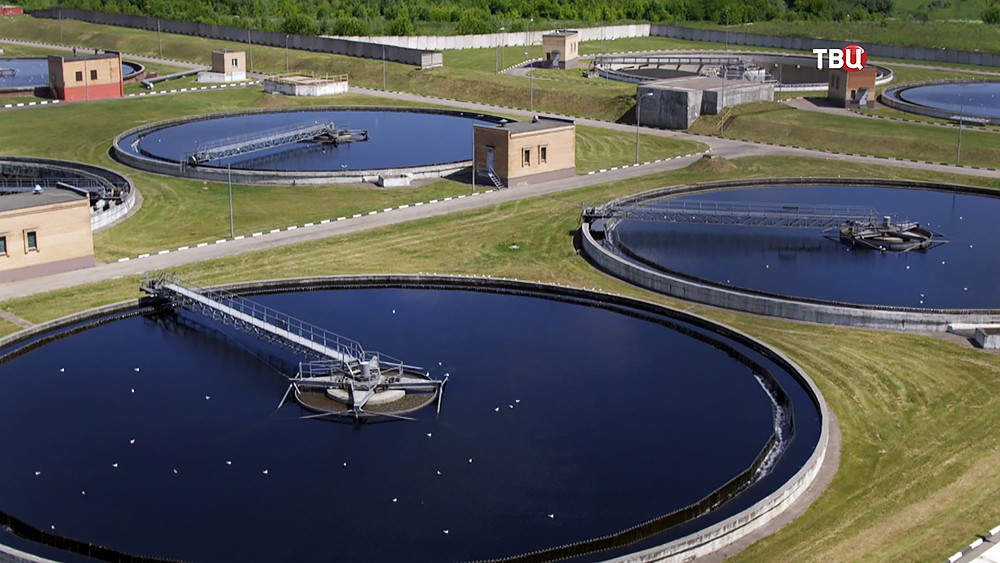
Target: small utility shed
<point>525,152</point>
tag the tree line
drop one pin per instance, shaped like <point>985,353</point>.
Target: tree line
<point>410,17</point>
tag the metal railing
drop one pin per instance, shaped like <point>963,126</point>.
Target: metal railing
<point>741,213</point>
<point>260,140</point>
<point>265,322</point>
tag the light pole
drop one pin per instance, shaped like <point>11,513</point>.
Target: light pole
<point>232,228</point>
<point>497,56</point>
<point>159,37</point>
<point>638,107</point>
<point>725,73</point>
<point>383,68</point>
<point>286,53</point>
<point>531,77</point>
<point>473,159</point>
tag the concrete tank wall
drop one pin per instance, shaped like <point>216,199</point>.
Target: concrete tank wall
<point>669,108</point>
<point>788,307</point>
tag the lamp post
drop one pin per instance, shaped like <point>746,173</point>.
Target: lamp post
<point>232,228</point>
<point>638,107</point>
<point>383,69</point>
<point>497,56</point>
<point>286,53</point>
<point>531,77</point>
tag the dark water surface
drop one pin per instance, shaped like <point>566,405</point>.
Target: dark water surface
<point>976,98</point>
<point>35,72</point>
<point>802,263</point>
<point>397,139</point>
<point>605,420</point>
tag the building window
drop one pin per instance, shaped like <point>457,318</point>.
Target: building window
<point>3,246</point>
<point>526,157</point>
<point>79,76</point>
<point>236,63</point>
<point>93,75</point>
<point>543,154</point>
<point>31,241</point>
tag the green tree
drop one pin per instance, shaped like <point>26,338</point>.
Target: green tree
<point>991,14</point>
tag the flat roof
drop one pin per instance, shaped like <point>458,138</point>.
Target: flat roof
<point>561,33</point>
<point>699,83</point>
<point>87,57</point>
<point>49,196</point>
<point>540,125</point>
<point>227,51</point>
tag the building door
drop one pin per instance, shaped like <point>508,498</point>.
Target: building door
<point>489,159</point>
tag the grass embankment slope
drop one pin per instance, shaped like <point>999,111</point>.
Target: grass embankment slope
<point>776,123</point>
<point>178,212</point>
<point>920,442</point>
<point>968,36</point>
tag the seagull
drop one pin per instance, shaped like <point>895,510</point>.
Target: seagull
<point>207,397</point>
<point>446,531</point>
<point>470,460</point>
<point>264,472</point>
<point>133,389</point>
<point>132,441</point>
<point>510,406</point>
<point>228,462</point>
<point>439,472</point>
<point>439,363</point>
<point>345,464</point>
<point>175,472</point>
<point>53,527</point>
<point>517,400</point>
<point>62,370</point>
<point>393,500</point>
<point>84,493</point>
<point>428,434</point>
<point>115,465</point>
<point>907,267</point>
<point>496,409</point>
<point>136,369</point>
<point>552,515</point>
<point>942,262</point>
<point>37,473</point>
<point>393,311</point>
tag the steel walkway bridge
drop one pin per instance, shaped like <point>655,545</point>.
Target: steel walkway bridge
<point>270,138</point>
<point>338,363</point>
<point>739,213</point>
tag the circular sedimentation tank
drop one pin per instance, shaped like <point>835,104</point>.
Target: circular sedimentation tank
<point>975,102</point>
<point>373,142</point>
<point>574,422</point>
<point>813,273</point>
<point>788,72</point>
<point>30,73</point>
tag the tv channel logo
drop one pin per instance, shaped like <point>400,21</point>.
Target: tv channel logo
<point>852,57</point>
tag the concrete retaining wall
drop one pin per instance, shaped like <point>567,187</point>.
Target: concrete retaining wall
<point>291,89</point>
<point>890,97</point>
<point>953,56</point>
<point>366,50</point>
<point>323,177</point>
<point>492,40</point>
<point>824,312</point>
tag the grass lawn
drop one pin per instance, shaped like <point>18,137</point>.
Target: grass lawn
<point>776,123</point>
<point>178,212</point>
<point>969,36</point>
<point>920,445</point>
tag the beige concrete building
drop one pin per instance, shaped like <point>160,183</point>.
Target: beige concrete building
<point>561,49</point>
<point>227,66</point>
<point>853,89</point>
<point>525,152</point>
<point>44,233</point>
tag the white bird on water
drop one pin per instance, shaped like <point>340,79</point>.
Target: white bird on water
<point>228,462</point>
<point>470,460</point>
<point>207,397</point>
<point>439,472</point>
<point>496,409</point>
<point>37,473</point>
<point>428,434</point>
<point>115,465</point>
<point>132,441</point>
<point>446,531</point>
<point>552,515</point>
<point>394,500</point>
<point>264,472</point>
<point>136,369</point>
<point>62,370</point>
